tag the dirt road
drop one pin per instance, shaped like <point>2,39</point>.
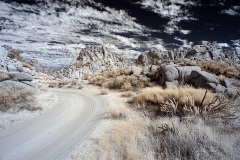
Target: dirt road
<point>54,134</point>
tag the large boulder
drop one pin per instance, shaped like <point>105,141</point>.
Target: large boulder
<point>20,76</point>
<point>167,73</point>
<point>185,72</point>
<point>132,70</point>
<point>203,79</point>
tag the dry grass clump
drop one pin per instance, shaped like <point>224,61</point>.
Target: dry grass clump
<point>104,91</point>
<point>218,68</point>
<point>117,112</point>
<point>118,80</point>
<point>182,101</point>
<point>77,85</point>
<point>27,65</point>
<point>190,140</point>
<point>16,97</point>
<point>128,94</point>
<point>63,83</point>
<point>120,143</point>
<point>14,54</point>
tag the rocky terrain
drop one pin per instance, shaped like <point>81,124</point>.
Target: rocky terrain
<point>14,70</point>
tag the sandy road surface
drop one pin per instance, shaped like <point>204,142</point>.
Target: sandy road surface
<point>53,134</point>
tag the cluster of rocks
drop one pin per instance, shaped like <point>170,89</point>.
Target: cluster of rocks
<point>92,61</point>
<point>13,71</point>
<point>204,51</point>
<point>172,74</point>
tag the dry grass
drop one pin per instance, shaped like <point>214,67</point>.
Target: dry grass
<point>218,68</point>
<point>14,54</point>
<point>182,101</point>
<point>77,85</point>
<point>27,65</point>
<point>16,97</point>
<point>128,94</point>
<point>117,112</point>
<point>118,80</point>
<point>141,137</point>
<point>120,143</point>
<point>104,91</point>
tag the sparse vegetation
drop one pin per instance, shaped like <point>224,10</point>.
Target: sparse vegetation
<point>118,80</point>
<point>14,54</point>
<point>183,101</point>
<point>104,91</point>
<point>15,97</point>
<point>128,94</point>
<point>117,112</point>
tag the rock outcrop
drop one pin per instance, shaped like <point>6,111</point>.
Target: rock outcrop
<point>172,75</point>
<point>204,51</point>
<point>92,61</point>
<point>14,70</point>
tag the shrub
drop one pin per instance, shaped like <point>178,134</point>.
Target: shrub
<point>104,91</point>
<point>182,101</point>
<point>14,54</point>
<point>117,112</point>
<point>127,94</point>
<point>118,80</point>
<point>16,97</point>
<point>77,84</point>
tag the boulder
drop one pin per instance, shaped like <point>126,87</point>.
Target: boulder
<point>167,73</point>
<point>203,76</point>
<point>11,68</point>
<point>203,79</point>
<point>185,72</point>
<point>15,83</point>
<point>132,70</point>
<point>20,76</point>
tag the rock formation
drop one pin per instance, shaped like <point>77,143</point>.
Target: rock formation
<point>13,71</point>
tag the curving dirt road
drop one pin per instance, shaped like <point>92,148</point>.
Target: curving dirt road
<point>53,134</point>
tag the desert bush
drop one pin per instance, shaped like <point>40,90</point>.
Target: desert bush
<point>27,65</point>
<point>182,101</point>
<point>16,97</point>
<point>188,140</point>
<point>104,91</point>
<point>62,83</point>
<point>97,80</point>
<point>127,94</point>
<point>117,112</point>
<point>14,54</point>
<point>118,80</point>
<point>77,84</point>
